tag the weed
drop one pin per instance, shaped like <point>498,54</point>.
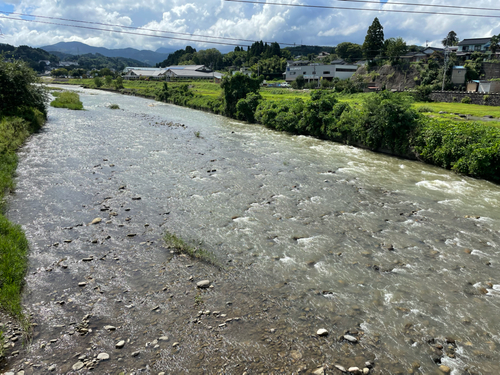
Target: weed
<point>114,106</point>
<point>197,134</point>
<point>67,99</point>
<point>194,252</point>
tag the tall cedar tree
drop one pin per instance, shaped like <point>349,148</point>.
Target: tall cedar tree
<point>374,40</point>
<point>451,39</point>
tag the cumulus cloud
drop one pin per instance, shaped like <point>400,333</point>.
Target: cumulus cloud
<point>218,18</point>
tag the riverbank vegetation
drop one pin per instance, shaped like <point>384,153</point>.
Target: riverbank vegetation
<point>194,252</point>
<point>389,122</point>
<point>22,112</point>
<point>66,99</point>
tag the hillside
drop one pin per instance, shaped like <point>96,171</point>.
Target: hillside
<point>30,55</point>
<point>76,48</point>
<point>388,77</point>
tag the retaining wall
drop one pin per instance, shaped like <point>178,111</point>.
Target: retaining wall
<point>457,96</point>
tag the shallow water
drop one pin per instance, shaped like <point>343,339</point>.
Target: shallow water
<point>402,255</point>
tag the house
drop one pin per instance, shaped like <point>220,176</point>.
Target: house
<point>244,70</point>
<point>316,72</point>
<point>191,72</point>
<point>322,55</point>
<point>484,86</point>
<point>458,75</point>
<point>154,74</point>
<point>489,87</point>
<point>467,46</point>
<point>423,55</point>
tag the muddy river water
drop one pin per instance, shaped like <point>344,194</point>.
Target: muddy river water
<point>397,260</point>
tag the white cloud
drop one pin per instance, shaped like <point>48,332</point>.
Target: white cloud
<point>234,20</point>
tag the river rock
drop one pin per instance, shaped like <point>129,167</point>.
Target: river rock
<point>163,338</point>
<point>52,367</point>
<point>203,284</point>
<point>320,371</point>
<point>103,356</point>
<point>77,366</point>
<point>351,338</point>
<point>120,344</point>
<point>340,368</point>
<point>445,369</point>
<point>366,371</point>
<point>110,328</point>
<point>83,283</point>
<point>354,370</point>
<point>322,332</point>
<point>97,220</point>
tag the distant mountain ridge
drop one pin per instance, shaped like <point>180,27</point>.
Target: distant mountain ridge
<point>78,48</point>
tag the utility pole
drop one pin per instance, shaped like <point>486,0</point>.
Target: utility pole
<point>444,67</point>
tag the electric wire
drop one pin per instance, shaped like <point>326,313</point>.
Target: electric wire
<point>364,9</point>
<point>135,28</point>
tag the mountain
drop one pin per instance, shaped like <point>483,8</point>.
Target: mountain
<point>77,48</point>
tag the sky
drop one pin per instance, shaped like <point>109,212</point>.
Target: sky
<point>244,21</point>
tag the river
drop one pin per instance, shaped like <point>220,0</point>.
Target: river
<point>310,234</point>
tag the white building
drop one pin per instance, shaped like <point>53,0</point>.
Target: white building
<point>172,72</point>
<point>314,71</point>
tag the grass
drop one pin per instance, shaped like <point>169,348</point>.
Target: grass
<point>114,106</point>
<point>194,252</point>
<point>13,242</point>
<point>466,109</point>
<point>67,99</point>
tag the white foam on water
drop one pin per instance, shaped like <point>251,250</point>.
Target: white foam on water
<point>287,260</point>
<point>450,202</point>
<point>479,253</point>
<point>316,200</point>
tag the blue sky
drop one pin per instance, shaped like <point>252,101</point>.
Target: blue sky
<point>215,18</point>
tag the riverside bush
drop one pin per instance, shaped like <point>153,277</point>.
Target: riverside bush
<point>467,148</point>
<point>386,120</point>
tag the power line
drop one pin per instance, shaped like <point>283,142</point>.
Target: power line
<point>421,5</point>
<point>364,9</point>
<point>135,28</point>
<point>125,32</point>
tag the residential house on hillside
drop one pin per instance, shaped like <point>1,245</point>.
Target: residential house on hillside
<point>316,72</point>
<point>467,46</point>
<point>423,55</point>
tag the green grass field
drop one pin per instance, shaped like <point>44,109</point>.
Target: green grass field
<point>213,90</point>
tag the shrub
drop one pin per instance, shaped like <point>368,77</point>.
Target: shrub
<point>245,108</point>
<point>486,98</point>
<point>466,100</point>
<point>97,81</point>
<point>468,148</point>
<point>425,109</point>
<point>67,99</point>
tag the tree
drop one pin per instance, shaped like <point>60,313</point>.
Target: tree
<point>395,48</point>
<point>237,87</point>
<point>374,40</point>
<point>451,39</point>
<point>299,82</point>
<point>97,81</point>
<point>349,51</point>
<point>494,44</point>
<point>60,72</point>
<point>19,89</point>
